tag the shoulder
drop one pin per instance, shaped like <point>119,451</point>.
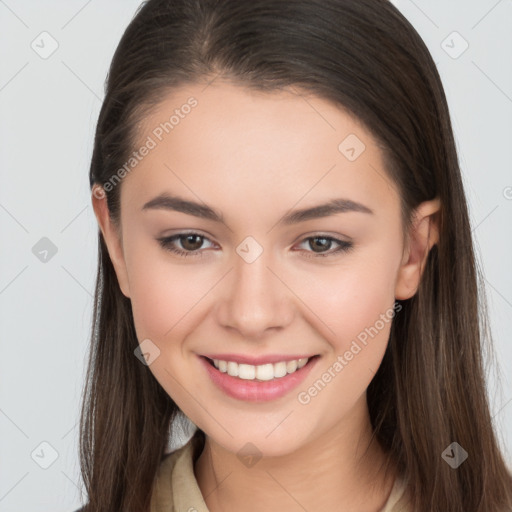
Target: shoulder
<point>166,479</point>
<point>184,457</point>
<point>175,486</point>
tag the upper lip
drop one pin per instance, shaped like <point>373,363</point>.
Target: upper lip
<point>260,360</point>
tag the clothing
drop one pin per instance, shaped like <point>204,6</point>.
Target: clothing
<point>176,488</point>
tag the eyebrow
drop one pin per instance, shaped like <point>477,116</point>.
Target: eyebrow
<point>174,203</point>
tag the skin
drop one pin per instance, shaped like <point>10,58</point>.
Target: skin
<point>255,156</point>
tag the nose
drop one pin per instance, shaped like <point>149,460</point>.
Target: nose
<point>255,300</point>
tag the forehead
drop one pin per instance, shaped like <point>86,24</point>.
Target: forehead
<point>228,142</point>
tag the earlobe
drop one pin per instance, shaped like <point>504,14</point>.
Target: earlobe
<point>112,236</point>
<point>423,234</point>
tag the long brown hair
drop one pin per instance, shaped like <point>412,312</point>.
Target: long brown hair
<point>367,58</point>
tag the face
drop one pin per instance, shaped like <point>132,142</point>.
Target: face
<point>254,273</point>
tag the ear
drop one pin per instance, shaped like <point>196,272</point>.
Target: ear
<point>112,236</point>
<point>422,235</point>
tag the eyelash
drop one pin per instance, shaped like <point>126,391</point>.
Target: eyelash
<point>167,244</point>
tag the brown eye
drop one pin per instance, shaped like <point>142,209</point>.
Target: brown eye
<point>191,244</point>
<point>321,244</point>
<point>325,243</point>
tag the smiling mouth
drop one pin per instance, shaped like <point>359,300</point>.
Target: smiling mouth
<point>263,372</point>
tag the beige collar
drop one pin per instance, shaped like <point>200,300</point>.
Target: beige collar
<point>176,473</point>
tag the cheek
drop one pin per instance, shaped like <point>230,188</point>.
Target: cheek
<point>164,303</point>
<point>167,303</point>
<point>361,315</point>
<point>350,298</point>
<point>356,301</point>
<point>164,295</point>
<point>367,295</point>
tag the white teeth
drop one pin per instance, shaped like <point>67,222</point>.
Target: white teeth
<point>291,366</point>
<point>280,369</point>
<point>233,369</point>
<point>245,371</point>
<point>267,371</point>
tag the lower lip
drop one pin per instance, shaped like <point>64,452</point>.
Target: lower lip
<point>257,391</point>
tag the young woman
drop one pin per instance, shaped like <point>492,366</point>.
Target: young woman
<point>285,257</point>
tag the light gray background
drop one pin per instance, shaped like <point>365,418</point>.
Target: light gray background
<point>48,111</point>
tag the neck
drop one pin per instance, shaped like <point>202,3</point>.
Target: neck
<point>343,470</point>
